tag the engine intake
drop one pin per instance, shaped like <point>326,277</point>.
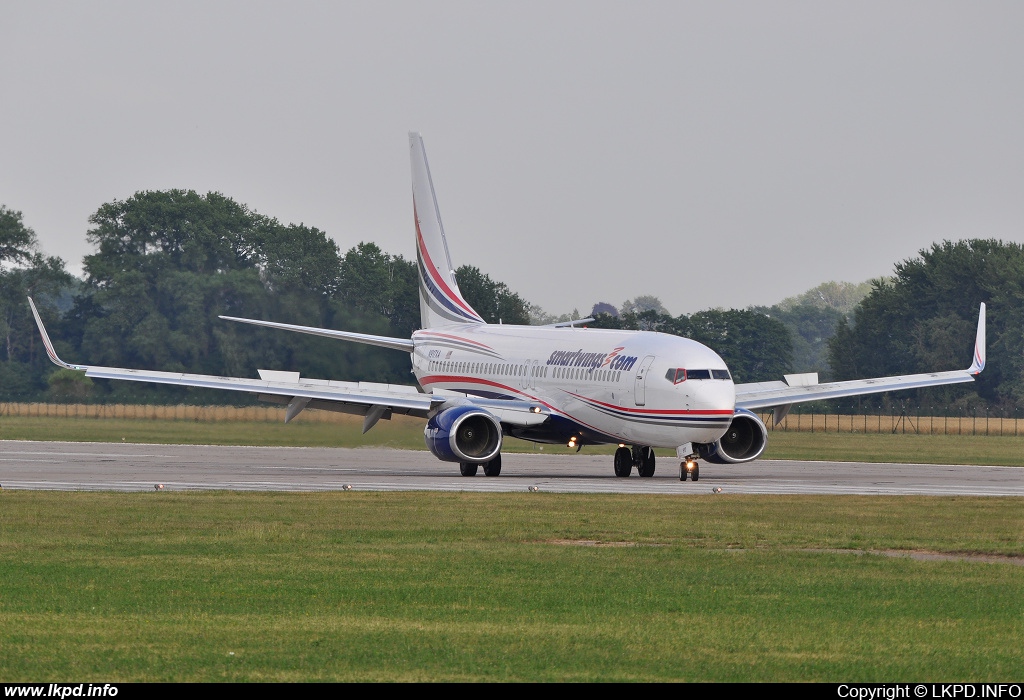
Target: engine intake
<point>744,441</point>
<point>463,434</point>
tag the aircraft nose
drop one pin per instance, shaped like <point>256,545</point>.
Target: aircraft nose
<point>715,394</point>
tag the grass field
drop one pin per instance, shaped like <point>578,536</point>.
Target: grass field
<point>410,586</point>
<point>407,433</point>
<point>414,586</point>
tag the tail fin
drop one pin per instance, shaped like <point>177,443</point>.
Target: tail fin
<point>441,302</point>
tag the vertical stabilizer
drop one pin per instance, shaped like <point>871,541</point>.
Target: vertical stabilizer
<point>441,302</point>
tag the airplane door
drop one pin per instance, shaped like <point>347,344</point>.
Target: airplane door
<point>527,378</point>
<point>639,386</point>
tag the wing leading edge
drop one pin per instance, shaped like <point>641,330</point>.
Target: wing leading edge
<point>781,395</point>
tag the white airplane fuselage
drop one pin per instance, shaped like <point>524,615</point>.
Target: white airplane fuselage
<point>599,385</point>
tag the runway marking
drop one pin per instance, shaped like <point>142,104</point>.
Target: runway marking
<point>480,487</point>
<point>83,454</point>
<point>47,461</point>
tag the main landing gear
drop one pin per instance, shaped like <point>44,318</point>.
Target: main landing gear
<point>623,462</point>
<point>640,457</point>
<point>492,468</point>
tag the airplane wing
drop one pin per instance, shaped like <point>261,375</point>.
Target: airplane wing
<point>803,387</point>
<point>369,399</point>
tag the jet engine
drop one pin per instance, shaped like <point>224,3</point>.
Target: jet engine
<point>463,434</point>
<point>744,441</point>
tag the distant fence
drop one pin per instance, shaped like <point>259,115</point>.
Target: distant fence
<point>898,423</point>
<point>198,414</point>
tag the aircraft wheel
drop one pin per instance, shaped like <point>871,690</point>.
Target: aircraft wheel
<point>493,468</point>
<point>623,461</point>
<point>467,468</point>
<point>682,471</point>
<point>646,466</point>
<point>696,473</point>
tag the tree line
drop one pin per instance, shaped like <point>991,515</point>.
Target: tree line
<point>166,264</point>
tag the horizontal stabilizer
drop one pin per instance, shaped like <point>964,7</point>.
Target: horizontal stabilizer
<point>378,340</point>
<point>569,324</point>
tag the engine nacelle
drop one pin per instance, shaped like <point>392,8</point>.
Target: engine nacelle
<point>463,434</point>
<point>744,441</point>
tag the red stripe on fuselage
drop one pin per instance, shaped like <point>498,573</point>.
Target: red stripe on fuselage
<point>430,334</point>
<point>432,271</point>
<point>454,379</point>
<point>656,411</point>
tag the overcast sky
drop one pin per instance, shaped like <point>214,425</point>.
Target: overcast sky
<point>710,153</point>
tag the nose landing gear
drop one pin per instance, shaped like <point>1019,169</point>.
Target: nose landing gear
<point>689,467</point>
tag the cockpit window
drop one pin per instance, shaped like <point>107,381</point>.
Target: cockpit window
<point>678,375</point>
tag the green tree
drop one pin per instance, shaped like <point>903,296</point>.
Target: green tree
<point>644,302</point>
<point>25,271</point>
<point>376,283</point>
<point>17,241</point>
<point>836,296</point>
<point>755,346</point>
<point>492,300</point>
<point>168,263</point>
<point>811,326</point>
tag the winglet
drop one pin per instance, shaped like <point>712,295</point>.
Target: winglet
<point>47,344</point>
<point>978,363</point>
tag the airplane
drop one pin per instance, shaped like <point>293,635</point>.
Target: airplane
<point>559,384</point>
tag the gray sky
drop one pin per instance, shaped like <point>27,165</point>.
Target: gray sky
<point>710,153</point>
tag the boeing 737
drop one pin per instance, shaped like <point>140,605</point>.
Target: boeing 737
<point>562,384</point>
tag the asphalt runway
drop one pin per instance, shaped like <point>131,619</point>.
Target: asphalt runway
<point>79,466</point>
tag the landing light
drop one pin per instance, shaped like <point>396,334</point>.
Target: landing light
<point>536,409</point>
<point>690,466</point>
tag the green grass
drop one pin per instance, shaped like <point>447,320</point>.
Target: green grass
<point>407,433</point>
<point>416,586</point>
<point>923,449</point>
